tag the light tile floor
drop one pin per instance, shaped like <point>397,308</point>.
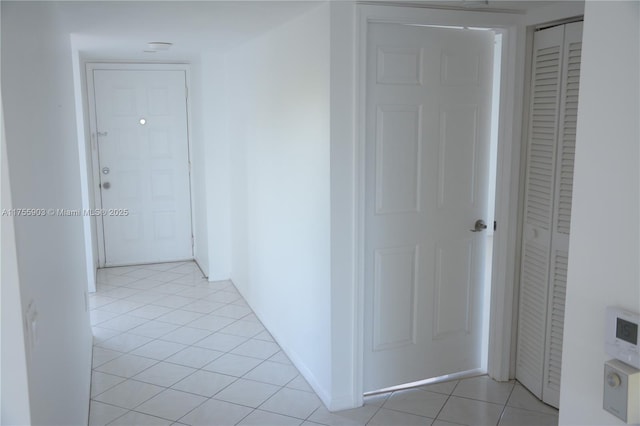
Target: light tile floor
<point>172,348</point>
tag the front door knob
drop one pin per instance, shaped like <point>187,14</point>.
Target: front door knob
<point>106,185</point>
<point>479,226</point>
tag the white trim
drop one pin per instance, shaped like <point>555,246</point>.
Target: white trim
<point>94,163</point>
<point>91,66</point>
<point>503,288</point>
<point>86,178</point>
<point>500,347</point>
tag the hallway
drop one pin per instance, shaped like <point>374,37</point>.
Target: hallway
<point>170,346</point>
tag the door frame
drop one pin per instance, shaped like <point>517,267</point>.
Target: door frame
<point>93,141</point>
<point>501,344</point>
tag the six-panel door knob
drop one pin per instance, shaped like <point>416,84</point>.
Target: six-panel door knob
<point>479,226</point>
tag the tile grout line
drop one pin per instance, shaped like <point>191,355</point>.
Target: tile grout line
<point>445,403</point>
<point>159,338</point>
<point>379,408</point>
<point>504,407</point>
<point>198,291</point>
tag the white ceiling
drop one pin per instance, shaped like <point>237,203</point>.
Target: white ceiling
<point>122,29</point>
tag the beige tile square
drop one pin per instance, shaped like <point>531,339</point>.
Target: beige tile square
<point>195,357</point>
<point>386,417</point>
<point>470,412</point>
<point>153,329</point>
<point>517,417</point>
<point>292,402</point>
<point>272,372</point>
<point>133,418</point>
<point>214,412</point>
<point>102,355</point>
<point>247,392</point>
<point>171,404</point>
<point>522,398</point>
<point>129,394</point>
<point>164,374</point>
<point>186,335</point>
<point>257,349</point>
<point>233,365</point>
<point>263,418</point>
<point>158,349</point>
<point>299,383</point>
<point>126,366</point>
<point>179,317</point>
<point>204,383</point>
<point>101,414</point>
<point>484,389</point>
<point>355,417</point>
<point>444,387</point>
<point>124,342</point>
<point>221,342</point>
<point>416,401</point>
<point>101,382</point>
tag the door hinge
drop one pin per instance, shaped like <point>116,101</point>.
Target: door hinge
<point>495,225</point>
<point>186,92</point>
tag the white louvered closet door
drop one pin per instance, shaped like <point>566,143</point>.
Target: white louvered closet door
<point>547,214</point>
<point>562,211</point>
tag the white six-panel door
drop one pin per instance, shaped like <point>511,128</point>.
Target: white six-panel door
<point>141,120</point>
<point>427,163</point>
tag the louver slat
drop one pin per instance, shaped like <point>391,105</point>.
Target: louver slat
<point>556,317</point>
<point>542,142</point>
<point>568,143</point>
<point>533,300</point>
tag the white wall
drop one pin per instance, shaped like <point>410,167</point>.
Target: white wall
<point>216,156</point>
<point>279,139</point>
<point>14,389</point>
<point>210,166</point>
<point>605,223</point>
<point>198,169</point>
<point>42,151</point>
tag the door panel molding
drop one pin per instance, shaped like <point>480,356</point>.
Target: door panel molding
<point>403,300</point>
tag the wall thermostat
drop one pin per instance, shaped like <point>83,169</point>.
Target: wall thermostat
<point>621,396</point>
<point>621,336</point>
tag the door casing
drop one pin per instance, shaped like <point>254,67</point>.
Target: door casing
<point>500,349</point>
<point>95,185</point>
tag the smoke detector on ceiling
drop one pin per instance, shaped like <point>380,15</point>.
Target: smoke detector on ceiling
<point>156,46</point>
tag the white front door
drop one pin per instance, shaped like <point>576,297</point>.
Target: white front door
<point>141,120</point>
<point>427,164</point>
